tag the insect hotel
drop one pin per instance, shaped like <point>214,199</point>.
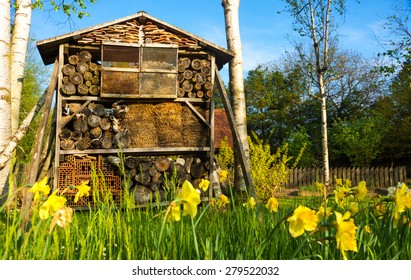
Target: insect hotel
<point>139,89</point>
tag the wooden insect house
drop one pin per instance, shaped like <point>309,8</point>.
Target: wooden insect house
<point>133,96</point>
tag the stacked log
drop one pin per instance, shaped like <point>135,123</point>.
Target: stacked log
<point>194,78</point>
<point>95,127</point>
<point>81,76</point>
<point>154,178</point>
<point>133,32</point>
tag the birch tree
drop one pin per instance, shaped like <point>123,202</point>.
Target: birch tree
<point>13,46</point>
<point>316,20</point>
<point>236,84</point>
<point>5,96</point>
<point>19,42</point>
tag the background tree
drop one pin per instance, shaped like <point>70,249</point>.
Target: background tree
<point>273,94</point>
<point>360,139</point>
<point>396,108</point>
<point>13,57</point>
<point>316,20</point>
<point>236,84</point>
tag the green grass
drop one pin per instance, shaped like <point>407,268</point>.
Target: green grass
<point>233,232</point>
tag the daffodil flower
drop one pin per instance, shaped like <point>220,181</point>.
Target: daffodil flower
<point>346,231</point>
<point>354,207</point>
<point>223,175</point>
<point>361,190</point>
<point>323,212</point>
<point>250,203</point>
<point>204,184</point>
<point>367,229</point>
<point>341,194</point>
<point>51,205</point>
<point>303,219</point>
<point>40,188</point>
<point>82,190</point>
<point>175,212</point>
<point>222,200</point>
<point>189,198</point>
<point>402,200</point>
<point>62,217</point>
<point>272,204</point>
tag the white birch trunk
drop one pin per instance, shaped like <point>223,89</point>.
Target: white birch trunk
<point>5,98</point>
<point>19,41</point>
<point>324,132</point>
<point>236,75</point>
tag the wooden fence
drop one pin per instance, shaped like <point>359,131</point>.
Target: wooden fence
<point>378,177</point>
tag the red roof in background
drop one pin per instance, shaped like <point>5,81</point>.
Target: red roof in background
<point>221,128</point>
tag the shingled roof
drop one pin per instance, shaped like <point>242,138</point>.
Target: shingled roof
<point>135,28</point>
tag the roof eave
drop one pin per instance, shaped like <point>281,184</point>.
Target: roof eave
<point>48,48</point>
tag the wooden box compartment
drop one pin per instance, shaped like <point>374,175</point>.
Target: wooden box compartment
<point>139,71</point>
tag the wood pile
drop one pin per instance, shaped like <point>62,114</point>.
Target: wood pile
<point>94,126</point>
<point>152,178</point>
<point>194,78</point>
<point>81,76</point>
<point>132,32</point>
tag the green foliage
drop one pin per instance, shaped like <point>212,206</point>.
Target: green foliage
<point>396,110</point>
<point>268,170</point>
<point>273,94</point>
<point>34,79</point>
<point>225,156</point>
<point>359,139</point>
<point>300,146</point>
<point>76,7</point>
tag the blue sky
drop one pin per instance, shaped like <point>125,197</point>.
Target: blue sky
<point>263,30</point>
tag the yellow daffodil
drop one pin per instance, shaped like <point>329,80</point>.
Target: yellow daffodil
<point>338,182</point>
<point>212,201</point>
<point>354,207</point>
<point>323,211</point>
<point>380,209</point>
<point>361,190</point>
<point>320,187</point>
<point>223,175</point>
<point>250,203</point>
<point>189,198</point>
<point>302,219</point>
<point>340,194</point>
<point>175,212</point>
<point>367,229</point>
<point>40,188</point>
<point>402,200</point>
<point>222,200</point>
<point>272,204</point>
<point>62,217</point>
<point>204,184</point>
<point>82,190</point>
<point>345,235</point>
<point>51,205</point>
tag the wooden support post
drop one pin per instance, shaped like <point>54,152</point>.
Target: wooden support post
<point>34,165</point>
<point>236,136</point>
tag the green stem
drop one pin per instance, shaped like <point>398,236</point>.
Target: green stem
<point>193,227</point>
<point>161,234</point>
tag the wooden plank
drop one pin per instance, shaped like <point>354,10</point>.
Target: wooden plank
<point>67,120</point>
<point>212,148</point>
<point>198,114</point>
<point>236,136</point>
<point>137,151</point>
